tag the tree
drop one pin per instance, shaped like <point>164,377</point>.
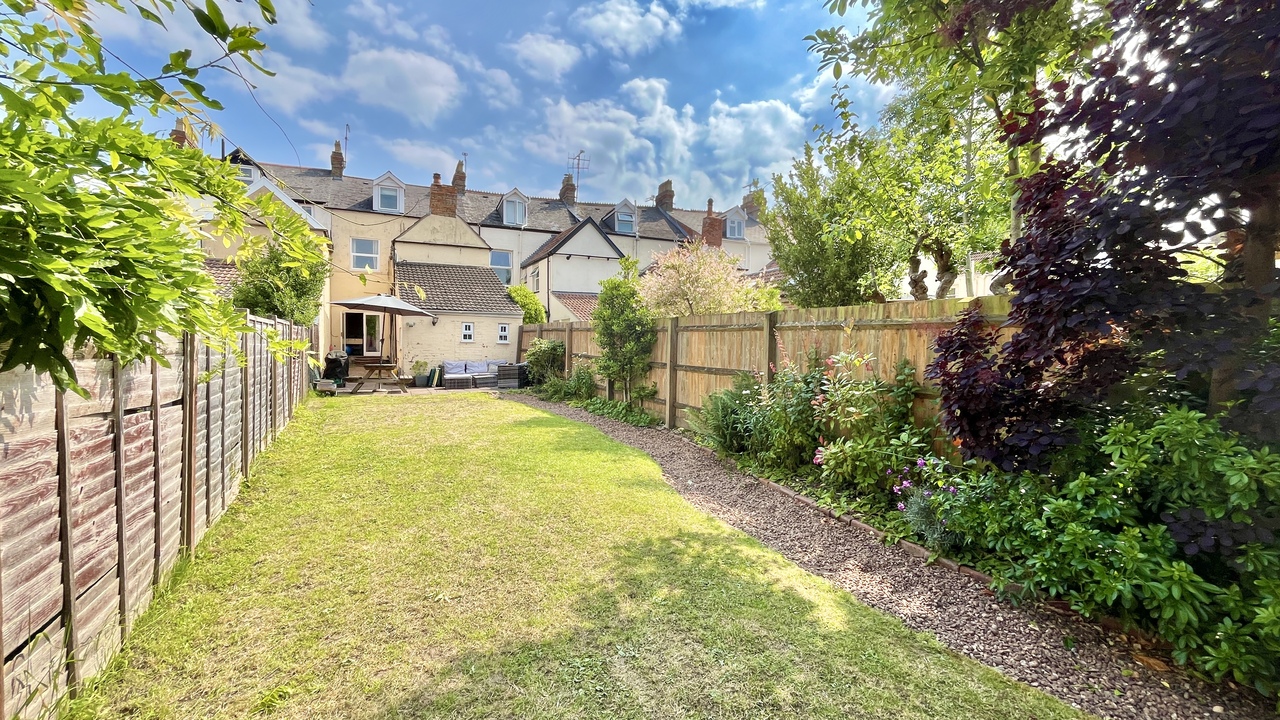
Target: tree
<point>624,330</point>
<point>1171,140</point>
<point>700,279</point>
<point>842,233</point>
<point>98,243</point>
<point>272,283</point>
<point>534,313</point>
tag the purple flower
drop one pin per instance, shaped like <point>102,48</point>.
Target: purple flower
<point>897,489</point>
<point>817,456</point>
<point>906,483</point>
<point>928,493</point>
<point>920,463</point>
<point>889,471</point>
<point>902,506</point>
<point>952,489</point>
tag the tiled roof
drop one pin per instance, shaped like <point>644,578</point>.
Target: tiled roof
<point>317,186</point>
<point>771,274</point>
<point>582,305</point>
<point>225,274</point>
<point>454,288</point>
<point>556,242</point>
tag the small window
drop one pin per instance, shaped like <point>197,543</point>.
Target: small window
<point>500,261</point>
<point>308,210</point>
<point>248,173</point>
<point>625,222</point>
<point>364,254</point>
<point>468,332</point>
<point>513,211</point>
<point>504,333</point>
<point>534,279</point>
<point>388,199</point>
<point>734,229</point>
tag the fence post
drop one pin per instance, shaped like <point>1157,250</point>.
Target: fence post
<point>157,475</point>
<point>273,379</point>
<point>4,681</point>
<point>117,421</point>
<point>568,348</point>
<point>673,330</point>
<point>770,345</point>
<point>70,627</point>
<point>246,388</point>
<point>190,416</point>
<point>519,341</point>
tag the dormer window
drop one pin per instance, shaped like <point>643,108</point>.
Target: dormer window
<point>514,208</point>
<point>626,222</point>
<point>735,229</point>
<point>388,194</point>
<point>247,173</point>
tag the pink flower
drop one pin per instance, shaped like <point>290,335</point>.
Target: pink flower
<point>902,506</point>
<point>817,456</point>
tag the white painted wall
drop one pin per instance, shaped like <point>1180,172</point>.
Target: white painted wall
<point>581,274</point>
<point>420,340</point>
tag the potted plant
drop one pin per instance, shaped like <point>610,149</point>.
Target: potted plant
<point>421,372</point>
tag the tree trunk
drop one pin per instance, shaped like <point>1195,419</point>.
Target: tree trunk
<point>1258,273</point>
<point>1000,283</point>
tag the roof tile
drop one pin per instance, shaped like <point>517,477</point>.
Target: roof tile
<point>582,305</point>
<point>454,288</point>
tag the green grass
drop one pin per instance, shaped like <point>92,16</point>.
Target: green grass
<point>465,556</point>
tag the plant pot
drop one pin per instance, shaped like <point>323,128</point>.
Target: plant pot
<point>422,381</point>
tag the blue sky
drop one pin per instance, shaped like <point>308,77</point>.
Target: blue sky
<point>709,93</point>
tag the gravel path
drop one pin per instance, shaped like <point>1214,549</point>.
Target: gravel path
<point>1073,660</point>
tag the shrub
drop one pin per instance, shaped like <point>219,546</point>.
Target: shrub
<point>546,360</point>
<point>579,386</point>
<point>616,410</point>
<point>727,419</point>
<point>624,330</point>
<point>534,313</point>
<point>420,367</point>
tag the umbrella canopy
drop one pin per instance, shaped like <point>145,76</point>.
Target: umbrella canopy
<point>383,304</point>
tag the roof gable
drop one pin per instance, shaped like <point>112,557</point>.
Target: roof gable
<point>558,244</point>
<point>388,178</point>
<point>454,288</point>
<point>262,184</point>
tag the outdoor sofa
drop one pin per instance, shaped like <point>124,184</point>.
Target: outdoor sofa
<point>460,374</point>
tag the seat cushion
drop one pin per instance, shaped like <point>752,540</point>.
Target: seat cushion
<point>455,367</point>
<point>477,366</point>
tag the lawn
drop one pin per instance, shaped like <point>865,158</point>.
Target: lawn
<point>466,556</point>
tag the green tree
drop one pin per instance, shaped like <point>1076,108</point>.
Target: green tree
<point>624,330</point>
<point>272,283</point>
<point>98,242</point>
<point>534,313</point>
<point>701,279</point>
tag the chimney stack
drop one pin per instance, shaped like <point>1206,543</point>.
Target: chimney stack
<point>337,163</point>
<point>179,134</point>
<point>459,180</point>
<point>568,190</point>
<point>712,227</point>
<point>666,198</point>
<point>444,198</point>
<point>749,206</point>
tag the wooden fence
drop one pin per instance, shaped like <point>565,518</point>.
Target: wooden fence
<point>100,496</point>
<point>698,355</point>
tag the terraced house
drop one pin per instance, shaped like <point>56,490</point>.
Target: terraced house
<point>425,244</point>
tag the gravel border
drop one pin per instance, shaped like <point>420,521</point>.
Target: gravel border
<point>1059,652</point>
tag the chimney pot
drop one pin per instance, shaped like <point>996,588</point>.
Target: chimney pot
<point>568,190</point>
<point>337,163</point>
<point>712,227</point>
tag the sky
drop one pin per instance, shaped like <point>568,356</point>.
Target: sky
<point>708,93</point>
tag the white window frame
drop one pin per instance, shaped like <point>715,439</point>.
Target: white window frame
<point>514,211</point>
<point>468,332</point>
<point>535,280</point>
<point>627,225</point>
<point>735,229</point>
<point>504,334</point>
<point>508,267</point>
<point>377,199</point>
<point>248,173</point>
<point>377,261</point>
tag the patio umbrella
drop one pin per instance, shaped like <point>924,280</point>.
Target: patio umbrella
<point>388,305</point>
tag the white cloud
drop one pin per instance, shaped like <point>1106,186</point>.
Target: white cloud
<point>420,154</point>
<point>545,57</point>
<point>865,98</point>
<point>714,4</point>
<point>293,86</point>
<point>498,89</point>
<point>319,127</point>
<point>638,142</point>
<point>385,17</point>
<point>623,27</point>
<point>296,26</point>
<point>418,86</point>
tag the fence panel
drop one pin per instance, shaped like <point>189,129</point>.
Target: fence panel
<point>93,492</point>
<point>709,350</point>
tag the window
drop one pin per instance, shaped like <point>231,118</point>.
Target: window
<point>625,222</point>
<point>388,199</point>
<point>364,254</point>
<point>504,333</point>
<point>513,211</point>
<point>534,277</point>
<point>308,209</point>
<point>468,332</point>
<point>500,261</point>
<point>734,229</point>
<point>247,173</point>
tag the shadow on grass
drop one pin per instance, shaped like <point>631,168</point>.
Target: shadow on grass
<point>709,625</point>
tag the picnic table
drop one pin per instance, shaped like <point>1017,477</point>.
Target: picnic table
<point>380,373</point>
